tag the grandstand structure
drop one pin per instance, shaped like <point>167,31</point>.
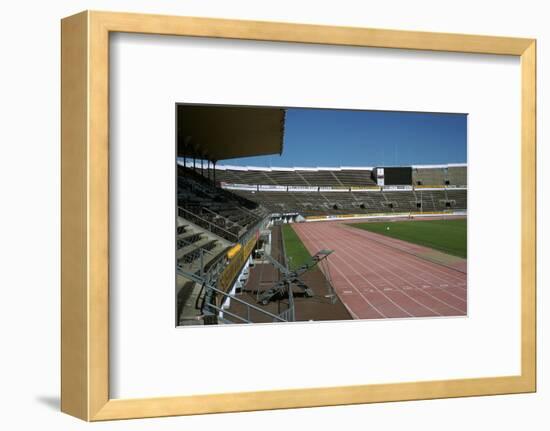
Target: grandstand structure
<point>340,177</point>
<point>217,230</point>
<point>228,216</point>
<point>327,191</point>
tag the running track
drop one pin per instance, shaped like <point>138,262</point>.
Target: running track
<point>376,280</point>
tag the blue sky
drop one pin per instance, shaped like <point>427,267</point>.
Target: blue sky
<point>327,137</point>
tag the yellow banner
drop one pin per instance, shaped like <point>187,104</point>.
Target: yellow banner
<point>233,251</point>
<point>365,188</point>
<point>235,264</point>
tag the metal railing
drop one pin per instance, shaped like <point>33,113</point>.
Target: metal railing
<point>190,261</point>
<point>215,214</point>
<point>212,227</point>
<point>210,306</point>
<point>252,213</point>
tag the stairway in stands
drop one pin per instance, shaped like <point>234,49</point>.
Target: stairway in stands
<point>197,248</point>
<point>198,252</point>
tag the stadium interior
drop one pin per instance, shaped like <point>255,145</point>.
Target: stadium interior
<point>231,263</point>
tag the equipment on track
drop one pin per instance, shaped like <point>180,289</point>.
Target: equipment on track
<point>291,278</point>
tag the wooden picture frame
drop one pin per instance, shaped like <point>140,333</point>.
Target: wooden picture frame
<point>85,220</point>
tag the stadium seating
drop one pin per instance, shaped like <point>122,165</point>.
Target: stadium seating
<point>431,200</point>
<point>458,198</point>
<point>197,248</point>
<point>354,177</point>
<point>458,176</point>
<point>214,209</point>
<point>451,175</point>
<point>399,201</point>
<point>318,178</point>
<point>230,214</point>
<point>333,203</point>
<point>338,177</point>
<point>435,176</point>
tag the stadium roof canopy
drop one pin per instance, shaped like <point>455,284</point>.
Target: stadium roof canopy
<point>224,132</point>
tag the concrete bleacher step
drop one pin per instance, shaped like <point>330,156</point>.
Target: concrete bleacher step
<point>188,234</point>
<point>207,259</point>
<point>202,243</point>
<point>205,232</point>
<point>187,295</point>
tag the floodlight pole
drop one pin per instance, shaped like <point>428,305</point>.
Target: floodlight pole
<point>186,142</point>
<point>214,175</point>
<point>184,161</point>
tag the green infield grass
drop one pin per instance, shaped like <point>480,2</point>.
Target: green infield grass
<point>448,236</point>
<point>296,252</point>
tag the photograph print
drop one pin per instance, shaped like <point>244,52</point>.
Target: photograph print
<point>301,214</point>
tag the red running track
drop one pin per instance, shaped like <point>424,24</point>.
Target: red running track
<point>377,280</point>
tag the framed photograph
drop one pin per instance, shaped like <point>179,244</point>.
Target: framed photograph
<point>321,242</point>
<point>262,215</point>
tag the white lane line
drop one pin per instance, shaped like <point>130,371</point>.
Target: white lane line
<point>360,294</point>
<point>409,256</point>
<point>368,281</point>
<point>390,259</point>
<point>374,255</point>
<point>373,258</point>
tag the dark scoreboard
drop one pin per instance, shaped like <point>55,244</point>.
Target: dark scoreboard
<point>397,176</point>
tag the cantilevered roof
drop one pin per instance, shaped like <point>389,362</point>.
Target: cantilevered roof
<point>225,132</point>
